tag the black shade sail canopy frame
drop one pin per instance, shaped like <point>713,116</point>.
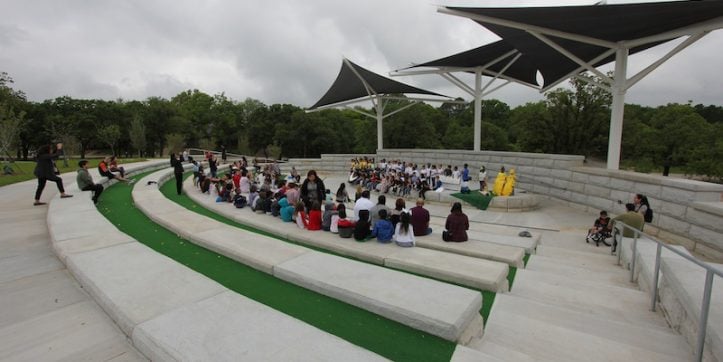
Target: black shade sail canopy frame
<point>498,60</point>
<point>565,41</point>
<point>355,84</point>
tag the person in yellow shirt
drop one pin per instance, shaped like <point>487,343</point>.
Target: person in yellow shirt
<point>509,187</point>
<point>499,182</point>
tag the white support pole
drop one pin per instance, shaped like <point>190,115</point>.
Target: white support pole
<point>477,109</point>
<point>618,108</point>
<point>380,119</point>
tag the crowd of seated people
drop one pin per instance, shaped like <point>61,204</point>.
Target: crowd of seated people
<point>276,196</point>
<point>401,178</point>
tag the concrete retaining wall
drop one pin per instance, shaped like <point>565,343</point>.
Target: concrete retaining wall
<point>687,212</point>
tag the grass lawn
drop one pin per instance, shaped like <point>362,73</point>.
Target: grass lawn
<point>23,170</point>
<point>368,330</point>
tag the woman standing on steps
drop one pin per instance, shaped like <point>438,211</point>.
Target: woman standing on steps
<point>178,172</point>
<point>45,170</point>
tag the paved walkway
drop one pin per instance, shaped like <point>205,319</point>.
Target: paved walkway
<point>45,313</point>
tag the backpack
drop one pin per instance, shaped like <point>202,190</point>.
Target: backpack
<point>648,215</point>
<point>239,201</point>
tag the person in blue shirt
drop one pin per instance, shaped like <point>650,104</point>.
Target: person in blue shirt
<point>465,180</point>
<point>287,211</point>
<point>383,229</point>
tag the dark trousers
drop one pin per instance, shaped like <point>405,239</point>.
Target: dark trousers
<point>179,182</point>
<point>41,185</point>
<point>97,190</point>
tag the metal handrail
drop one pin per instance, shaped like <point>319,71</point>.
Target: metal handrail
<point>707,291</point>
<point>202,151</point>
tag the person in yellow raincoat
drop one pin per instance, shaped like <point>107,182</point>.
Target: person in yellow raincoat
<point>499,182</point>
<point>509,187</point>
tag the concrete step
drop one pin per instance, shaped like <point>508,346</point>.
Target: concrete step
<point>503,352</point>
<point>547,341</point>
<point>590,256</point>
<point>665,341</point>
<point>617,303</point>
<point>466,354</point>
<point>510,255</point>
<point>445,310</point>
<point>477,273</point>
<point>555,268</point>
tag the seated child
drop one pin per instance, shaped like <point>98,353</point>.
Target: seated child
<point>302,220</point>
<point>404,235</point>
<point>329,213</point>
<point>314,216</point>
<point>361,229</point>
<point>286,211</point>
<point>383,228</point>
<point>600,230</point>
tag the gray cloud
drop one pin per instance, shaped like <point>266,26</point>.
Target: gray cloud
<point>275,51</point>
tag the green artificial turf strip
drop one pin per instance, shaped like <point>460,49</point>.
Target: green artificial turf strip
<point>476,199</point>
<point>368,330</point>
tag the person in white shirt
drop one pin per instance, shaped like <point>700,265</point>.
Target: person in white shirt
<point>362,204</point>
<point>403,234</point>
<point>482,178</point>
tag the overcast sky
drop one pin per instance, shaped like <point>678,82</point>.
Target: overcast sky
<point>276,51</point>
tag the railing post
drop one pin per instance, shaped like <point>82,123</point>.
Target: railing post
<point>654,297</point>
<point>632,263</point>
<point>703,321</point>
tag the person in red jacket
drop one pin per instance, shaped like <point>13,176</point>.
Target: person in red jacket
<point>315,216</point>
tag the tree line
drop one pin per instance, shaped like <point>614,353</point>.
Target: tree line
<point>568,121</point>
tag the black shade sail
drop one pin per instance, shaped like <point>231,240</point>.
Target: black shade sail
<point>611,23</point>
<point>522,70</point>
<point>355,82</point>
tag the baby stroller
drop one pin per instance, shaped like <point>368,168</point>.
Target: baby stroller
<point>598,236</point>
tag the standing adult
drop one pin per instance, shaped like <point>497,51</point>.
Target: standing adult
<point>482,178</point>
<point>457,224</point>
<point>312,189</point>
<point>45,170</point>
<point>223,154</point>
<point>85,181</point>
<point>641,204</point>
<point>420,219</point>
<point>464,182</point>
<point>178,172</point>
<point>213,165</point>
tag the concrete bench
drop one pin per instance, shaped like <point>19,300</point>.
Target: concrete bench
<point>395,295</point>
<point>510,255</point>
<point>475,233</point>
<point>162,305</point>
<point>481,273</point>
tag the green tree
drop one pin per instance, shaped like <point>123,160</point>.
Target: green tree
<point>110,135</point>
<point>137,135</point>
<point>681,133</point>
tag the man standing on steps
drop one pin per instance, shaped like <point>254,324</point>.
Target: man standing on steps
<point>178,172</point>
<point>85,181</point>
